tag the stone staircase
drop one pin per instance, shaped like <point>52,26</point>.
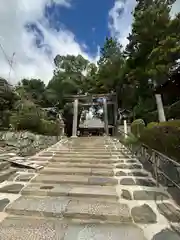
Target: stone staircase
<point>89,189</point>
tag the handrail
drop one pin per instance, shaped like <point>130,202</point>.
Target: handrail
<point>162,165</point>
<point>156,151</point>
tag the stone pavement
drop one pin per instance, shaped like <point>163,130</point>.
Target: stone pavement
<point>89,189</point>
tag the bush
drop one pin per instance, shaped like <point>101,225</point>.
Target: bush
<point>173,123</point>
<point>30,117</point>
<point>51,128</point>
<point>26,118</point>
<point>165,137</point>
<point>137,127</point>
<point>152,124</point>
<point>131,139</point>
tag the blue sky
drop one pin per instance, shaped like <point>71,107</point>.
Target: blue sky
<point>33,32</point>
<point>87,19</point>
<point>37,30</point>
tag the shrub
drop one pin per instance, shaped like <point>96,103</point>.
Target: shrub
<point>152,124</point>
<point>131,139</point>
<point>25,118</point>
<point>165,137</point>
<point>173,123</point>
<point>51,128</point>
<point>137,127</point>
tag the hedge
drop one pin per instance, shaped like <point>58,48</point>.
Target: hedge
<point>137,127</point>
<point>165,138</point>
<point>152,124</point>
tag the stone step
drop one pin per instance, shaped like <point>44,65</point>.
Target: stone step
<point>4,165</point>
<point>85,160</point>
<point>5,174</point>
<point>80,165</point>
<point>86,153</point>
<point>86,180</point>
<point>85,191</point>
<point>79,155</point>
<point>21,228</point>
<point>78,171</point>
<point>89,150</point>
<point>70,208</point>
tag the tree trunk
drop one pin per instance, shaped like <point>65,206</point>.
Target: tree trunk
<point>160,108</point>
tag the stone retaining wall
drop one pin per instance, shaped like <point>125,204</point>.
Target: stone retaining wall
<point>25,143</point>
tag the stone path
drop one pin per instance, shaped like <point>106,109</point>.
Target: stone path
<point>89,189</point>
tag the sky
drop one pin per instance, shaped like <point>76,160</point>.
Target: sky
<point>33,32</point>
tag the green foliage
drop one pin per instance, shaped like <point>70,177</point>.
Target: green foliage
<point>152,52</point>
<point>152,124</point>
<point>173,123</point>
<point>51,128</point>
<point>137,127</point>
<point>165,138</point>
<point>174,111</point>
<point>130,139</point>
<point>7,99</point>
<point>25,117</point>
<point>154,42</point>
<point>171,112</point>
<point>69,75</point>
<point>28,116</point>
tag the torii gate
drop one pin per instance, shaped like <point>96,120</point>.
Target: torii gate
<point>106,101</point>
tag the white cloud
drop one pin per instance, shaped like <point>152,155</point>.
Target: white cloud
<point>120,19</point>
<point>30,61</point>
<point>175,8</point>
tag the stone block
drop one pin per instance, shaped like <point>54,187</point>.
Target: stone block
<point>61,179</point>
<point>166,234</point>
<point>94,191</point>
<point>39,189</point>
<point>102,181</point>
<point>127,181</point>
<point>19,228</point>
<point>68,171</point>
<point>103,232</point>
<point>149,195</point>
<point>143,214</point>
<point>94,209</point>
<point>11,188</point>
<point>102,172</point>
<point>39,206</point>
<point>25,177</point>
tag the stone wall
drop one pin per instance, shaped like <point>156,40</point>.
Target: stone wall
<point>25,143</point>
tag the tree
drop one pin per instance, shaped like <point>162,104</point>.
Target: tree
<point>110,66</point>
<point>7,99</point>
<point>72,75</point>
<point>32,89</point>
<point>153,49</point>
